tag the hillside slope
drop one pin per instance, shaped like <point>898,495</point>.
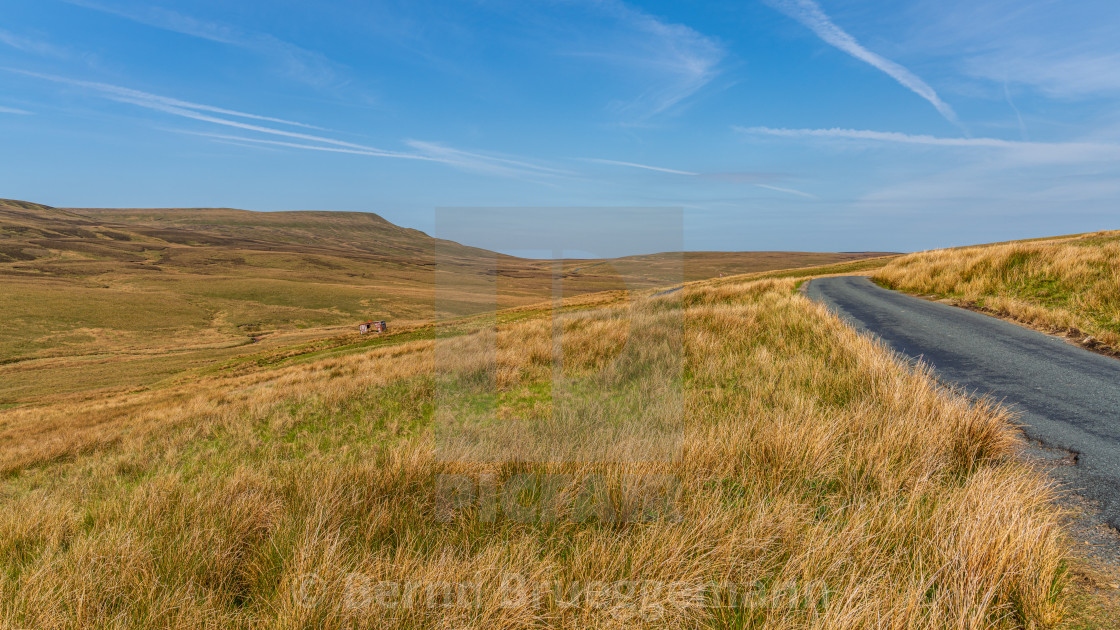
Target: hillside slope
<point>1066,285</point>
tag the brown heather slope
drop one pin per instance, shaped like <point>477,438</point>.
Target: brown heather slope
<point>99,300</point>
<point>1067,285</point>
<point>727,455</point>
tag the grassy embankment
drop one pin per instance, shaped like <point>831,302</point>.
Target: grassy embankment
<point>799,452</point>
<point>1066,285</point>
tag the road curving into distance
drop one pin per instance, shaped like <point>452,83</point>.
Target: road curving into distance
<point>1067,397</point>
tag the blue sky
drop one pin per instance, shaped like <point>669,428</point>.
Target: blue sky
<point>774,124</point>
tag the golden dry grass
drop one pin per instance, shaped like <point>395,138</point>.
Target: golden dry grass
<point>822,482</point>
<point>1068,285</point>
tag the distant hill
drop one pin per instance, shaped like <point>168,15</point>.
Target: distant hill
<point>352,232</point>
<point>365,235</point>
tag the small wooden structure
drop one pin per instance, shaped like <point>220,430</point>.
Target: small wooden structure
<point>372,326</point>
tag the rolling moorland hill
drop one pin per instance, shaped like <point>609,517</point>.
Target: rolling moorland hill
<point>1067,285</point>
<point>100,300</point>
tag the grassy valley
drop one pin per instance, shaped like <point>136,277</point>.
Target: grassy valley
<point>800,476</point>
<point>103,300</point>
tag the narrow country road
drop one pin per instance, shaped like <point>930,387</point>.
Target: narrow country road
<point>1067,397</point>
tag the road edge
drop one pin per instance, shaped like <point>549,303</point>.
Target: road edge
<point>1072,336</point>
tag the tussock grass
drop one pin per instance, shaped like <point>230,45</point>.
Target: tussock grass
<point>1067,285</point>
<point>781,447</point>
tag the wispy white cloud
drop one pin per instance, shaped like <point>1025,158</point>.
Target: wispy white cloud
<point>12,110</point>
<point>304,65</point>
<point>791,191</point>
<point>881,136</point>
<point>747,178</point>
<point>1035,151</point>
<point>1055,73</point>
<point>987,187</point>
<point>813,17</point>
<point>349,149</point>
<point>34,46</point>
<point>424,151</point>
<point>186,113</point>
<point>483,163</point>
<point>1018,114</point>
<point>642,166</point>
<point>1064,50</point>
<point>146,99</point>
<point>427,152</point>
<point>675,60</point>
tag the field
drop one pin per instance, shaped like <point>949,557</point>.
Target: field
<point>99,301</point>
<point>727,455</point>
<point>1065,285</point>
<point>192,435</point>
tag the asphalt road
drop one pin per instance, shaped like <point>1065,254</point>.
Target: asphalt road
<point>1067,397</point>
